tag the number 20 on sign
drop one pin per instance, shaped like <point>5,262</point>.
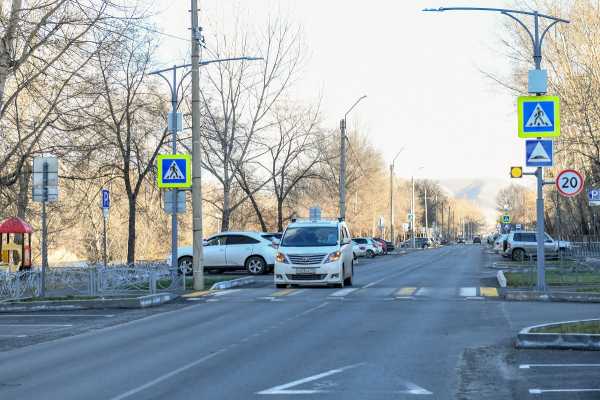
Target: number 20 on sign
<point>569,183</point>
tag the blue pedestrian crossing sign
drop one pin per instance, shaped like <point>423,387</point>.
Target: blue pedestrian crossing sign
<point>539,153</point>
<point>539,116</point>
<point>174,171</point>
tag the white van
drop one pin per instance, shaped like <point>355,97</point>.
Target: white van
<point>315,253</point>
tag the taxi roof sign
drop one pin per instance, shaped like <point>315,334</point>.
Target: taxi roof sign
<point>516,172</point>
<point>539,116</point>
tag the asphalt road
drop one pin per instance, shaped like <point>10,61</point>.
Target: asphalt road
<point>418,325</point>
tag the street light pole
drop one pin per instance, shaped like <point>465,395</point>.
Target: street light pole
<point>537,40</point>
<point>412,213</point>
<point>392,237</point>
<point>426,221</point>
<point>342,183</point>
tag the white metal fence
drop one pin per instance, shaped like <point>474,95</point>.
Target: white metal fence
<point>90,281</point>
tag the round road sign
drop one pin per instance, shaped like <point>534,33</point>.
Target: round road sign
<point>569,182</point>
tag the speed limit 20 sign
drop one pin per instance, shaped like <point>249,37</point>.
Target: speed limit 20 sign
<point>569,183</point>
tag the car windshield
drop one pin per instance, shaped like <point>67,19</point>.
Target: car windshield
<point>310,236</point>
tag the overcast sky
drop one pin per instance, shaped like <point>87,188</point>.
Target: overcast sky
<point>421,72</point>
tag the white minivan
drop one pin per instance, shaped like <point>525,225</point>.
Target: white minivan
<point>315,253</point>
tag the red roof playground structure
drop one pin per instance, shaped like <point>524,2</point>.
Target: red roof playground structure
<point>15,253</point>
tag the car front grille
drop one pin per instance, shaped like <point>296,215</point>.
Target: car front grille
<point>306,277</point>
<point>308,259</point>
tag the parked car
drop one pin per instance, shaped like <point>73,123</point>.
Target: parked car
<point>460,241</point>
<point>420,243</point>
<point>390,246</point>
<point>522,245</point>
<point>370,248</point>
<point>383,245</point>
<point>377,245</point>
<point>232,251</point>
<point>359,250</point>
<point>499,243</point>
<point>315,253</point>
<point>476,240</point>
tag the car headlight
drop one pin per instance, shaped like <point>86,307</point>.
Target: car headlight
<point>280,257</point>
<point>332,257</point>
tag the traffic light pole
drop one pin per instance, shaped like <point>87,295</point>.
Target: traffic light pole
<point>537,39</point>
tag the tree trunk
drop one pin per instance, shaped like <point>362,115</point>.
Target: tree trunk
<point>226,208</point>
<point>131,231</point>
<point>23,196</point>
<point>259,215</point>
<point>279,215</point>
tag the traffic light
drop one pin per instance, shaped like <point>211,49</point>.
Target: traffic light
<point>516,172</point>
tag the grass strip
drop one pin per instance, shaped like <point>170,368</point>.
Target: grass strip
<point>589,327</point>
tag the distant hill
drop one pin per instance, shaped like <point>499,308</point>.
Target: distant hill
<point>482,192</point>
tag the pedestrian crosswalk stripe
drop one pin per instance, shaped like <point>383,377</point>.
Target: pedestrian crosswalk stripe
<point>468,292</point>
<point>406,291</point>
<point>488,291</point>
<point>283,292</point>
<point>423,291</point>
<point>342,292</point>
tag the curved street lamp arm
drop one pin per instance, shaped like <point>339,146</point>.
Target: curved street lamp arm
<point>354,105</point>
<point>159,73</point>
<point>500,10</point>
<point>546,31</point>
<point>524,26</point>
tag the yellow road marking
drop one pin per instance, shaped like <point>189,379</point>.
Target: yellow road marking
<point>196,294</point>
<point>406,291</point>
<point>283,292</point>
<point>488,291</point>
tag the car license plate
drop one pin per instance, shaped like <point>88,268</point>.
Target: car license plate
<point>305,270</point>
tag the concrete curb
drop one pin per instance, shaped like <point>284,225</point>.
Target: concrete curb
<point>66,305</point>
<point>233,283</point>
<point>574,297</point>
<point>567,341</point>
<point>501,279</point>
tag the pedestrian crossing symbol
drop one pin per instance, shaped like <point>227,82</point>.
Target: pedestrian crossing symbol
<point>539,116</point>
<point>538,153</point>
<point>174,171</point>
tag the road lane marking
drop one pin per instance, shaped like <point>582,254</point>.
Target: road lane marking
<point>196,294</point>
<point>55,315</point>
<point>488,291</point>
<point>376,282</point>
<point>416,389</point>
<point>342,292</point>
<point>38,325</point>
<point>283,292</point>
<point>13,336</point>
<point>167,376</point>
<point>310,310</point>
<point>283,389</point>
<point>297,291</point>
<point>423,291</point>
<point>528,366</point>
<point>468,292</point>
<point>406,291</point>
<point>225,292</point>
<point>542,391</point>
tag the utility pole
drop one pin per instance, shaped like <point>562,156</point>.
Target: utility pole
<point>392,237</point>
<point>426,220</point>
<point>412,213</point>
<point>197,244</point>
<point>342,183</point>
<point>342,189</point>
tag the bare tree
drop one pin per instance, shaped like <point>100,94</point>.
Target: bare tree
<point>239,97</point>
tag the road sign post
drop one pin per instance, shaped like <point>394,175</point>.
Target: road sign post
<point>45,189</point>
<point>105,197</point>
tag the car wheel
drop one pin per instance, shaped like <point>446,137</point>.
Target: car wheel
<point>184,265</point>
<point>370,254</point>
<point>256,265</point>
<point>518,255</point>
<point>348,281</point>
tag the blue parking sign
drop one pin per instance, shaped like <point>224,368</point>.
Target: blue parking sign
<point>105,198</point>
